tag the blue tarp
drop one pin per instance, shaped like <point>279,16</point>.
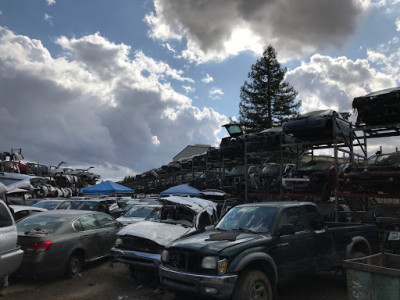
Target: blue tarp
<point>106,187</point>
<point>182,189</point>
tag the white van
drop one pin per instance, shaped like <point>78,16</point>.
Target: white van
<point>10,253</point>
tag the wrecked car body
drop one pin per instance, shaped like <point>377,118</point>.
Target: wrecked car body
<point>378,108</point>
<point>269,178</point>
<point>140,245</point>
<point>319,125</point>
<point>379,173</point>
<point>235,179</point>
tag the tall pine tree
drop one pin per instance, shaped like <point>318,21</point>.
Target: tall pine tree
<point>267,100</point>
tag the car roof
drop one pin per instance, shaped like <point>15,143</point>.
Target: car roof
<point>279,204</point>
<point>18,208</point>
<point>67,213</point>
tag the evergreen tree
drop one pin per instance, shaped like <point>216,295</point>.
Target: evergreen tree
<point>267,100</point>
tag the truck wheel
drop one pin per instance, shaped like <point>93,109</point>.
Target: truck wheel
<point>253,285</point>
<point>74,266</point>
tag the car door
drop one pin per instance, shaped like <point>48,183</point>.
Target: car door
<point>108,231</point>
<point>292,253</point>
<point>90,236</point>
<point>322,243</point>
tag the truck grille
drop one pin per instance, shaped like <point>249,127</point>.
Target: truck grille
<point>188,261</point>
<point>139,244</point>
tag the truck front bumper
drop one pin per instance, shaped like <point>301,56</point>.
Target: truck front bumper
<point>216,286</point>
<point>138,259</point>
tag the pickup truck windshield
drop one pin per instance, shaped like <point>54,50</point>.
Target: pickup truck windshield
<point>250,218</point>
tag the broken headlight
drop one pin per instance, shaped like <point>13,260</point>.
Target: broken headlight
<point>213,262</point>
<point>165,256</point>
<point>118,242</point>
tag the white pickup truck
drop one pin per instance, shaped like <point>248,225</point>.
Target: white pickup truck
<point>10,253</point>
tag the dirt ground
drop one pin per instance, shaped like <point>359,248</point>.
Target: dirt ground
<point>102,282</point>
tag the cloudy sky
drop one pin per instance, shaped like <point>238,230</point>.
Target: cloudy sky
<point>125,85</point>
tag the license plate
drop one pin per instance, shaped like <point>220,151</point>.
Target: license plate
<point>394,236</point>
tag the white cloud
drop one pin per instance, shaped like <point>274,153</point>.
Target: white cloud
<point>168,46</point>
<point>50,2</point>
<point>207,79</point>
<point>188,89</point>
<point>397,23</point>
<point>215,93</point>
<point>215,30</point>
<point>326,82</point>
<point>96,104</point>
<point>1,12</point>
<point>48,18</point>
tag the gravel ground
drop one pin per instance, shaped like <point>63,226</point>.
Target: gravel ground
<point>101,282</point>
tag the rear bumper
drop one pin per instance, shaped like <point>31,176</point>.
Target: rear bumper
<point>138,259</point>
<point>220,287</point>
<point>10,261</point>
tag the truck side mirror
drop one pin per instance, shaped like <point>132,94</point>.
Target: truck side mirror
<point>286,229</point>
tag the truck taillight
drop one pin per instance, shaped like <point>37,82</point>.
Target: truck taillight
<point>40,247</point>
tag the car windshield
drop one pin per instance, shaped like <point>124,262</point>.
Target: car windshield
<point>315,166</point>
<point>47,204</point>
<point>173,214</point>
<point>138,212</point>
<point>385,159</point>
<point>271,169</point>
<point>84,205</point>
<point>38,224</point>
<point>248,218</point>
<point>237,171</point>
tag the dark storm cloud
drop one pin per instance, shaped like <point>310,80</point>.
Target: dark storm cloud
<point>95,110</point>
<point>293,27</point>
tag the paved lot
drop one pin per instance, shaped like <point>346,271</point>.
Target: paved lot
<point>101,282</point>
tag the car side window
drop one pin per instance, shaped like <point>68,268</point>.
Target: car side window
<point>204,220</point>
<point>89,222</point>
<point>77,225</point>
<point>106,221</point>
<point>315,217</point>
<point>5,217</point>
<point>295,216</point>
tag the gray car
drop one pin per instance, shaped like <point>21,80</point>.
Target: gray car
<point>60,241</point>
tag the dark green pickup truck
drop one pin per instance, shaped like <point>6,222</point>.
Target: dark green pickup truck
<point>256,245</point>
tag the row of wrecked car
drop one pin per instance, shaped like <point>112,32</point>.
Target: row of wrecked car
<point>56,181</point>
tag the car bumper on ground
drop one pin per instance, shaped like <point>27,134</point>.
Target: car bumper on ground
<point>138,259</point>
<point>216,286</point>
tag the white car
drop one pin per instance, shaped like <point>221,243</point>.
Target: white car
<point>138,213</point>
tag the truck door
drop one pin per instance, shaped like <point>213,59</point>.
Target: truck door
<point>292,253</point>
<point>322,243</point>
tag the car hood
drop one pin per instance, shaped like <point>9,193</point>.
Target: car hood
<point>214,241</point>
<point>161,233</point>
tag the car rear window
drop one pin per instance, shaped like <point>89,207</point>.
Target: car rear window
<point>39,224</point>
<point>5,217</point>
<point>138,212</point>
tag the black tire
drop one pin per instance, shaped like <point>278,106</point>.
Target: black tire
<point>74,266</point>
<point>253,285</point>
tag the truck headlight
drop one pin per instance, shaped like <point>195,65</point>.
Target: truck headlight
<point>165,256</point>
<point>209,262</point>
<point>118,242</point>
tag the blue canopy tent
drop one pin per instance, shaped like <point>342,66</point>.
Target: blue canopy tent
<point>107,187</point>
<point>182,189</point>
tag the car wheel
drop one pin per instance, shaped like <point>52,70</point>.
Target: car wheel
<point>74,266</point>
<point>253,285</point>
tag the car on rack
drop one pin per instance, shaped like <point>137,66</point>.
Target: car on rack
<point>139,245</point>
<point>257,245</point>
<point>235,181</point>
<point>320,127</point>
<point>379,173</point>
<point>60,242</point>
<point>378,108</point>
<point>269,177</point>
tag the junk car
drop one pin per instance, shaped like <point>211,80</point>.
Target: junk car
<point>138,213</point>
<point>235,179</point>
<point>378,108</point>
<point>319,125</point>
<point>140,245</point>
<point>269,178</point>
<point>60,242</point>
<point>379,173</point>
